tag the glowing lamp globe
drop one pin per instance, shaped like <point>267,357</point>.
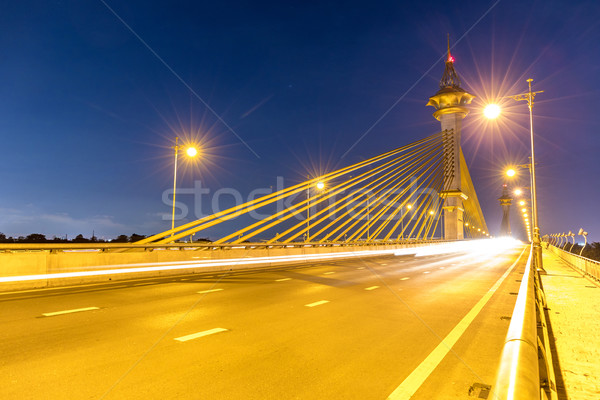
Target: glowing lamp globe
<point>191,151</point>
<point>320,185</point>
<point>510,172</point>
<point>491,111</point>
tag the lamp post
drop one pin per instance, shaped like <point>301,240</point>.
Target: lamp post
<point>320,186</point>
<point>492,111</point>
<point>191,152</point>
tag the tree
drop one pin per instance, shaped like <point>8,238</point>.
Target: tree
<point>80,239</point>
<point>36,238</point>
<point>135,237</point>
<point>120,239</point>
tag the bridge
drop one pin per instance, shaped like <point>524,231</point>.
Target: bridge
<point>378,280</point>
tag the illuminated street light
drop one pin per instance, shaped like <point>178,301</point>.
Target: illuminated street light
<point>522,203</point>
<point>510,172</point>
<point>191,152</point>
<point>518,192</point>
<point>524,209</point>
<point>320,186</point>
<point>535,243</point>
<point>431,212</point>
<point>408,206</point>
<point>491,111</point>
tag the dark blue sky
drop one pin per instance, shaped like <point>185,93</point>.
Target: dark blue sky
<point>88,112</point>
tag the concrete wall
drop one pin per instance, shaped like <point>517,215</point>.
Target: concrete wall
<point>26,264</point>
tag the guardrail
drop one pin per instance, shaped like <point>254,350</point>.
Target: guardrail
<point>56,247</point>
<point>587,266</point>
<point>526,370</point>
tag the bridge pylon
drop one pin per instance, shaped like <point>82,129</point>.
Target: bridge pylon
<point>450,104</point>
<point>505,201</point>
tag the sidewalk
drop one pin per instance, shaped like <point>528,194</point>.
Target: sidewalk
<point>574,311</point>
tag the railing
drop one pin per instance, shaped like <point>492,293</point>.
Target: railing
<point>56,247</point>
<point>587,266</point>
<point>526,370</point>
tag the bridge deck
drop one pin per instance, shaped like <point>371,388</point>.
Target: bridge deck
<point>574,304</point>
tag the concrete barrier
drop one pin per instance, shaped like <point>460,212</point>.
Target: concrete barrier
<point>31,267</point>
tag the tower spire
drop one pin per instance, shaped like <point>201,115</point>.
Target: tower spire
<point>450,79</point>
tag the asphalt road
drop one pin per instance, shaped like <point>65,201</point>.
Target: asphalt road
<point>358,329</point>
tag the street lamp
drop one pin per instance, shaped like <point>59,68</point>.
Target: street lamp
<point>191,152</point>
<point>320,185</point>
<point>529,97</point>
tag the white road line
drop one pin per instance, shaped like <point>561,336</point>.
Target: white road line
<point>441,267</point>
<point>283,279</point>
<point>403,279</point>
<point>329,273</point>
<point>371,288</point>
<point>383,264</point>
<point>210,291</point>
<point>51,314</point>
<point>317,303</point>
<point>360,268</point>
<point>200,334</point>
<point>414,381</point>
<point>426,272</point>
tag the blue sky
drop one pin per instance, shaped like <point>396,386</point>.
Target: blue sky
<point>89,107</point>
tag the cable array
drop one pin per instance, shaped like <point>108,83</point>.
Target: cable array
<point>393,196</point>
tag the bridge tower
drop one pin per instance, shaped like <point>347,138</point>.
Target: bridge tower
<point>505,201</point>
<point>450,104</point>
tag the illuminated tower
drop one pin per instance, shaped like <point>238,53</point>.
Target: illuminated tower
<point>450,104</point>
<point>505,201</point>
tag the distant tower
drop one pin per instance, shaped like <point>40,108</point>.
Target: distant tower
<point>450,104</point>
<point>505,201</point>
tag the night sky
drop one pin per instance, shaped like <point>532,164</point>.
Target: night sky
<point>91,100</point>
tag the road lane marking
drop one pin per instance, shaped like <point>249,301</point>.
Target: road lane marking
<point>426,272</point>
<point>283,279</point>
<point>200,334</point>
<point>316,303</point>
<point>403,279</point>
<point>414,381</point>
<point>329,273</point>
<point>441,267</point>
<point>210,291</point>
<point>372,288</point>
<point>360,268</point>
<point>51,314</point>
<point>383,264</point>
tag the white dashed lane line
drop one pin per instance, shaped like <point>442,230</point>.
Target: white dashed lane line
<point>317,303</point>
<point>283,279</point>
<point>372,288</point>
<point>329,273</point>
<point>426,272</point>
<point>210,291</point>
<point>403,279</point>
<point>52,314</point>
<point>200,334</point>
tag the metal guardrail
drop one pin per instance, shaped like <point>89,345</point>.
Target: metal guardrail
<point>526,369</point>
<point>587,266</point>
<point>56,247</point>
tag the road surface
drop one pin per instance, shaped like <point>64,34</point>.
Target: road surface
<point>395,326</point>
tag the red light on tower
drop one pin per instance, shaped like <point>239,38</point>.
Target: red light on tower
<point>450,58</point>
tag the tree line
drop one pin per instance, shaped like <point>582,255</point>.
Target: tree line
<point>40,238</point>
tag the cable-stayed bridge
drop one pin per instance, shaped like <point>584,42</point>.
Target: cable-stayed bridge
<point>374,281</point>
